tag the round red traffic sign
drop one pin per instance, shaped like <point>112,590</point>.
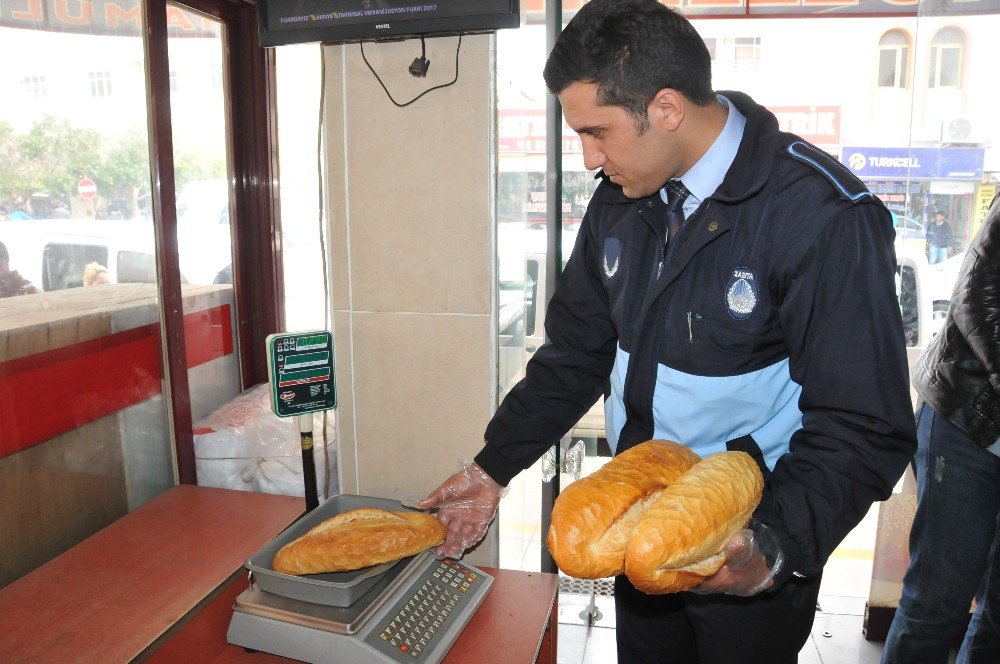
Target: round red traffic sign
<point>86,188</point>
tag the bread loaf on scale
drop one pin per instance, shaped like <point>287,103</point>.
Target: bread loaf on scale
<point>357,539</point>
<point>658,513</point>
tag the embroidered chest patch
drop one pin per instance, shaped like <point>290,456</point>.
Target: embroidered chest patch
<point>612,256</point>
<point>742,293</point>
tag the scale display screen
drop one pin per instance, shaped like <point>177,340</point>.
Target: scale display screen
<point>300,369</point>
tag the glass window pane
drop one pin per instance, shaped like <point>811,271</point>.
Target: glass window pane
<point>887,68</point>
<point>950,60</point>
<point>84,436</point>
<point>204,226</point>
<point>892,140</point>
<point>303,227</point>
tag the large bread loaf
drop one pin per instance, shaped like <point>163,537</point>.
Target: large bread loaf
<point>680,538</point>
<point>593,517</point>
<point>359,538</point>
<point>656,512</point>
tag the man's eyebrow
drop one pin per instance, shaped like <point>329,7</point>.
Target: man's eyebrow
<point>590,131</point>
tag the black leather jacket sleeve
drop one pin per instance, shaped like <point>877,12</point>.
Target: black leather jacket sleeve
<point>959,373</point>
<point>976,306</point>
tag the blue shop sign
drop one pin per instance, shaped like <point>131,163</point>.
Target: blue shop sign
<point>914,163</point>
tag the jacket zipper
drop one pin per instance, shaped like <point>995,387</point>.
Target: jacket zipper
<point>692,315</point>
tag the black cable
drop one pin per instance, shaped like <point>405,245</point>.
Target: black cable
<point>436,87</point>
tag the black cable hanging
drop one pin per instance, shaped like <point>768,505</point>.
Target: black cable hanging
<point>458,49</point>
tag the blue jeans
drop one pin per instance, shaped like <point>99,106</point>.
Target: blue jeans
<point>937,255</point>
<point>953,545</point>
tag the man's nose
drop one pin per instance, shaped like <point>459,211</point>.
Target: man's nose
<point>593,156</point>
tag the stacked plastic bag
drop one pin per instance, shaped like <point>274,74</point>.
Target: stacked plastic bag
<point>243,445</point>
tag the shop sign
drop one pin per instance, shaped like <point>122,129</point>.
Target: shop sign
<point>820,125</point>
<point>984,196</point>
<point>952,187</point>
<point>534,10</point>
<point>914,163</point>
<point>522,131</point>
<point>99,17</point>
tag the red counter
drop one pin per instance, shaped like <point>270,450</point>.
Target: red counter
<point>160,582</point>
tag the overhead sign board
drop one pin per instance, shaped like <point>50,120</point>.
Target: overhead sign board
<point>300,370</point>
<point>880,163</point>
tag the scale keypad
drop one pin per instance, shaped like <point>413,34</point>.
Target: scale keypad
<point>424,614</point>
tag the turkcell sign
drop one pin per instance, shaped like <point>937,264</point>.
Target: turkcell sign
<point>914,163</point>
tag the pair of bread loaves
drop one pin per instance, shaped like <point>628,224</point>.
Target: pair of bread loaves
<point>658,513</point>
<point>359,538</point>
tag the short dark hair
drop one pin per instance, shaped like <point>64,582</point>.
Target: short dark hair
<point>631,49</point>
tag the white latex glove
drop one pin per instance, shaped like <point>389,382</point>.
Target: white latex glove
<point>753,558</point>
<point>466,502</point>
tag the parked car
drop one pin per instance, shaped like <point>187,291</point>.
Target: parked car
<point>911,232</point>
<point>52,253</point>
<point>203,230</point>
<point>924,292</point>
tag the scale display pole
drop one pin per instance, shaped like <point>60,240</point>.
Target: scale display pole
<point>300,371</point>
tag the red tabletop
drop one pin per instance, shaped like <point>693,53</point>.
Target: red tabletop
<point>160,583</point>
<point>112,596</point>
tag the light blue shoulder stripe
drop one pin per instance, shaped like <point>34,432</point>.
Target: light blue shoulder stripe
<point>704,412</point>
<point>795,150</point>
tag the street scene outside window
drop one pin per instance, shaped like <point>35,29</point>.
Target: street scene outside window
<point>84,416</point>
<point>901,98</point>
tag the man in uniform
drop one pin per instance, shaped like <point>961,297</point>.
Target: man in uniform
<point>731,288</point>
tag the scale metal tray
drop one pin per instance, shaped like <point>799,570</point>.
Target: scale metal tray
<point>339,589</point>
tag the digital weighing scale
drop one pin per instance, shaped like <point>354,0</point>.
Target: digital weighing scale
<point>412,610</point>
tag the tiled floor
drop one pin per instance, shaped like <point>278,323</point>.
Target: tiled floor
<point>837,636</point>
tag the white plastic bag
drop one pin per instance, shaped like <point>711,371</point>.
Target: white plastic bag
<point>243,445</point>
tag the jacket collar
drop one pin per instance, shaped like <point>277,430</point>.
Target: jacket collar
<point>750,169</point>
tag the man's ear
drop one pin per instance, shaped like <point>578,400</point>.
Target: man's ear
<point>668,109</point>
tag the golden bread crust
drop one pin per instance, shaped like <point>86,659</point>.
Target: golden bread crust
<point>656,512</point>
<point>359,538</point>
<point>680,539</point>
<point>594,516</point>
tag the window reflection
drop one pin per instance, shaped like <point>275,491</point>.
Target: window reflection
<point>894,51</point>
<point>946,58</point>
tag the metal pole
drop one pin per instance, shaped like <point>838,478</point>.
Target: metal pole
<point>308,461</point>
<point>553,258</point>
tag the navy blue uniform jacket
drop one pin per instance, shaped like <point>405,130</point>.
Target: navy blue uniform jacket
<point>769,324</point>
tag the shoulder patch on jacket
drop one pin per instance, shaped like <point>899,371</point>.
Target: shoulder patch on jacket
<point>846,183</point>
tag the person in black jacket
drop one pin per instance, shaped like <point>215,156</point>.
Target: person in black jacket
<point>731,288</point>
<point>938,239</point>
<point>955,535</point>
<point>12,283</point>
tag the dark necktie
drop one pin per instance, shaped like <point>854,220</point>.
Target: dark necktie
<point>676,194</point>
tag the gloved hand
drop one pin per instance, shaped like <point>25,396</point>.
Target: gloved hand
<point>753,558</point>
<point>466,502</point>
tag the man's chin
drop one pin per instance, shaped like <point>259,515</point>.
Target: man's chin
<point>634,192</point>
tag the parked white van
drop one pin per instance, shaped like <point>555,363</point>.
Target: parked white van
<point>52,253</point>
